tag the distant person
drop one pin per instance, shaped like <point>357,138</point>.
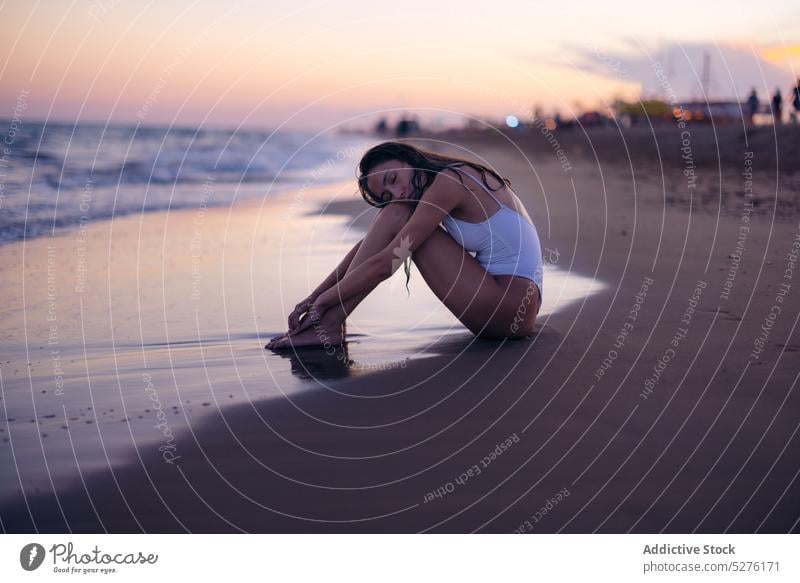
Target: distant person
<point>777,107</point>
<point>752,105</point>
<point>796,102</point>
<point>403,128</point>
<point>495,294</point>
<point>406,126</point>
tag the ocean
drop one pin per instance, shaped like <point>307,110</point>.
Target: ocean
<point>57,176</point>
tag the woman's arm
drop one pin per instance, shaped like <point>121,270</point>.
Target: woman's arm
<point>303,305</point>
<point>337,273</point>
<point>438,200</point>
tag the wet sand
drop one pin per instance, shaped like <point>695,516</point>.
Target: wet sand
<point>637,408</point>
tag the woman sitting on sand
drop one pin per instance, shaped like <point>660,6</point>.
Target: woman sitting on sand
<point>495,294</point>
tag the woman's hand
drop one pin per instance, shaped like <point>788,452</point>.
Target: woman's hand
<point>314,311</point>
<point>313,315</point>
<point>299,310</point>
<point>303,316</point>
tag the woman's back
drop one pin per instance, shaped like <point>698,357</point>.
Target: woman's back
<point>504,240</point>
<point>483,202</point>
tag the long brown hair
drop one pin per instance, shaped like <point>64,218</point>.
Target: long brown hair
<point>426,166</point>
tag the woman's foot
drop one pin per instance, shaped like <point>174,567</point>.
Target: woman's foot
<point>323,335</point>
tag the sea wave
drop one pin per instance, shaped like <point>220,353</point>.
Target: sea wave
<point>55,176</point>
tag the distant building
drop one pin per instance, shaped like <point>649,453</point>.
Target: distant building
<point>594,119</point>
<point>647,111</point>
<point>657,112</point>
<point>704,111</point>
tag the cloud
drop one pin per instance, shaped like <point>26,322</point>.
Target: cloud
<point>733,69</point>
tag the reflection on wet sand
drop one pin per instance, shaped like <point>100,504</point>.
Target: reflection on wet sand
<point>342,457</point>
<point>319,363</point>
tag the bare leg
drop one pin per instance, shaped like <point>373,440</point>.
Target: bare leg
<point>389,221</point>
<point>330,330</point>
<point>489,306</point>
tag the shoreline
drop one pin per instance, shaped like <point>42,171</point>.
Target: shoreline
<point>402,450</point>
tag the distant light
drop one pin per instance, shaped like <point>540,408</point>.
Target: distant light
<point>512,121</point>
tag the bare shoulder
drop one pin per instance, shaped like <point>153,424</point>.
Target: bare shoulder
<point>447,184</point>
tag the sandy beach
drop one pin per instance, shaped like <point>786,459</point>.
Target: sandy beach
<point>658,395</point>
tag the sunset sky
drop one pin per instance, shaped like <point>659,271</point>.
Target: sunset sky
<point>319,64</point>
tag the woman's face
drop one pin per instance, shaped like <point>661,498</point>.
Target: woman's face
<point>391,181</point>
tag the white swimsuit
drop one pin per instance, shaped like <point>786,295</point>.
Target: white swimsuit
<point>504,244</point>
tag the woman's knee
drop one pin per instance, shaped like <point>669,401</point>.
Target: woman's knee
<point>392,217</point>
